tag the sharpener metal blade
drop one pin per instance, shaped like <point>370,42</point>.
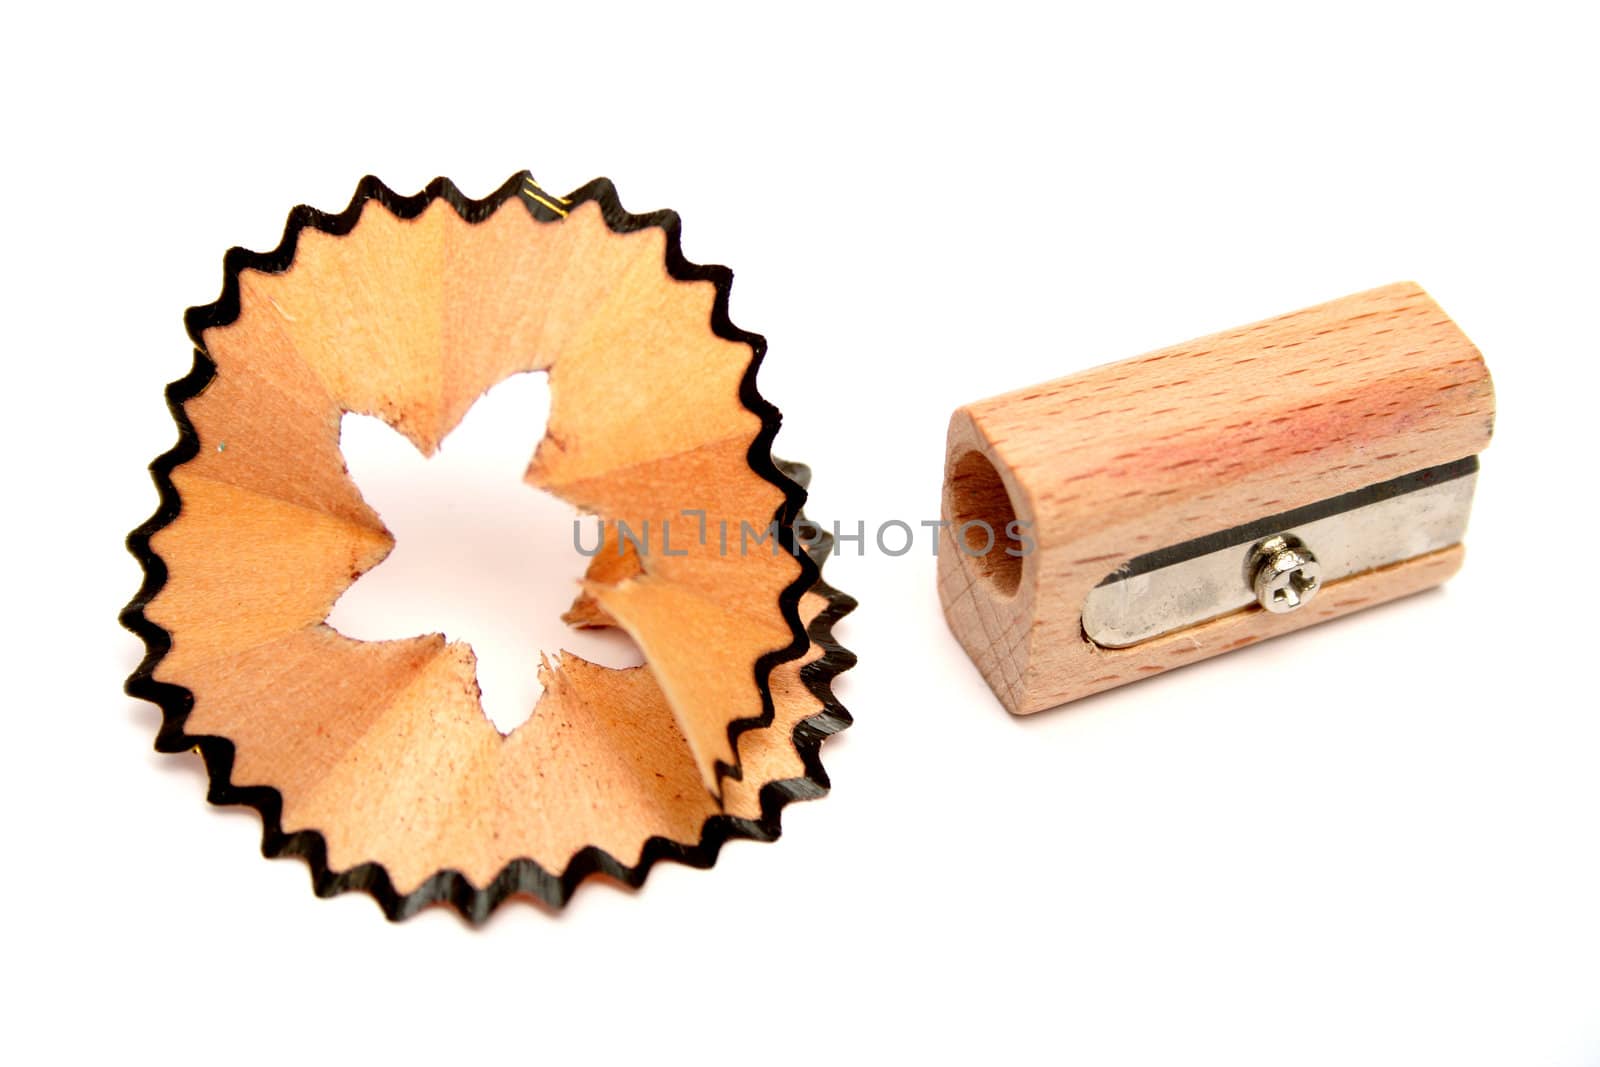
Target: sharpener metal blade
<point>1177,587</point>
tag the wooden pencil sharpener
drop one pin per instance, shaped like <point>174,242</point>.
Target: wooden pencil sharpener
<point>1148,514</point>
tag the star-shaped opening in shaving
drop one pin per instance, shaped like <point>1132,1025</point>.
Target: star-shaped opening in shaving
<point>479,555</point>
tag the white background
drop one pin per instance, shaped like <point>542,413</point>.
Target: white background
<point>1377,842</point>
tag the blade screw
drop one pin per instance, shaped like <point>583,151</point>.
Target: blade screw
<point>1287,574</point>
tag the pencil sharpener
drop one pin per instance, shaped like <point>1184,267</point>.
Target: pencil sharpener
<point>1148,514</point>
